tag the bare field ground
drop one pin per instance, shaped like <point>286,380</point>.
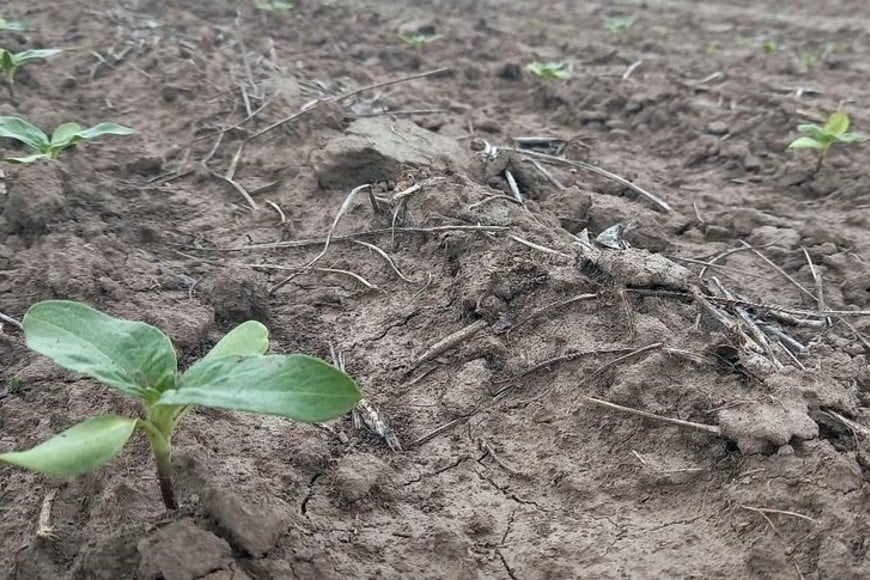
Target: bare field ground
<point>731,308</point>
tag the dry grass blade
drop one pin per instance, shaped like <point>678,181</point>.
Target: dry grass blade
<point>548,307</point>
<point>782,272</point>
<point>820,288</point>
<point>10,320</point>
<point>365,414</point>
<point>762,510</point>
<point>662,204</point>
<point>438,431</point>
<point>238,187</point>
<point>450,341</point>
<point>512,184</point>
<point>310,106</point>
<point>387,258</point>
<point>345,206</point>
<point>598,372</point>
<point>552,361</point>
<point>354,235</point>
<point>538,247</point>
<point>712,429</point>
<point>44,529</point>
<point>726,253</point>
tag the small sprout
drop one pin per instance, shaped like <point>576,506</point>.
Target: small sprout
<point>139,360</point>
<point>64,136</point>
<point>13,386</point>
<point>10,62</point>
<point>275,6</point>
<point>769,47</point>
<point>820,138</point>
<point>13,26</point>
<point>619,24</point>
<point>550,70</point>
<point>419,41</point>
<point>809,60</point>
<point>712,48</point>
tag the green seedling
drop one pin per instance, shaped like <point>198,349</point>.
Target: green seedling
<point>820,138</point>
<point>808,60</point>
<point>769,47</point>
<point>550,70</point>
<point>64,136</point>
<point>10,62</point>
<point>139,360</point>
<point>619,24</point>
<point>12,26</point>
<point>13,386</point>
<point>419,41</point>
<point>275,6</point>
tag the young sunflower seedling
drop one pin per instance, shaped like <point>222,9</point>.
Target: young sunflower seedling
<point>820,138</point>
<point>275,6</point>
<point>550,70</point>
<point>12,61</point>
<point>619,24</point>
<point>139,360</point>
<point>64,136</point>
<point>419,41</point>
<point>12,26</point>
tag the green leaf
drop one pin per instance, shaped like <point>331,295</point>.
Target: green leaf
<point>6,60</point>
<point>299,387</point>
<point>806,143</point>
<point>19,129</point>
<point>837,123</point>
<point>852,138</point>
<point>65,134</point>
<point>126,355</point>
<point>247,339</point>
<point>814,131</point>
<point>105,129</point>
<point>13,26</point>
<point>28,55</point>
<point>79,449</point>
<point>28,158</point>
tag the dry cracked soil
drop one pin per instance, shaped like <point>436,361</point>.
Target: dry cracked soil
<point>507,349</point>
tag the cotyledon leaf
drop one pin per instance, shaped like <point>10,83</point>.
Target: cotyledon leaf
<point>129,356</point>
<point>27,133</point>
<point>248,338</point>
<point>297,386</point>
<point>837,123</point>
<point>79,449</point>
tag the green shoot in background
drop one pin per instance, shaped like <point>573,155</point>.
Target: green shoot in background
<point>550,70</point>
<point>139,360</point>
<point>419,41</point>
<point>12,61</point>
<point>619,24</point>
<point>12,26</point>
<point>65,135</point>
<point>820,138</point>
<point>275,6</point>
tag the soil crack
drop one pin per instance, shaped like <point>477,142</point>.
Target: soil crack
<point>303,507</point>
<point>438,471</point>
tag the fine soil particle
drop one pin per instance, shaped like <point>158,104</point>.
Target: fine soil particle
<point>462,287</point>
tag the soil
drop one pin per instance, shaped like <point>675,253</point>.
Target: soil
<point>507,469</point>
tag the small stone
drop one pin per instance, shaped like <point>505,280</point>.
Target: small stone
<point>717,234</point>
<point>717,128</point>
<point>227,575</point>
<point>379,149</point>
<point>145,165</point>
<point>510,71</point>
<point>181,551</point>
<point>237,295</point>
<point>359,475</point>
<point>253,528</point>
